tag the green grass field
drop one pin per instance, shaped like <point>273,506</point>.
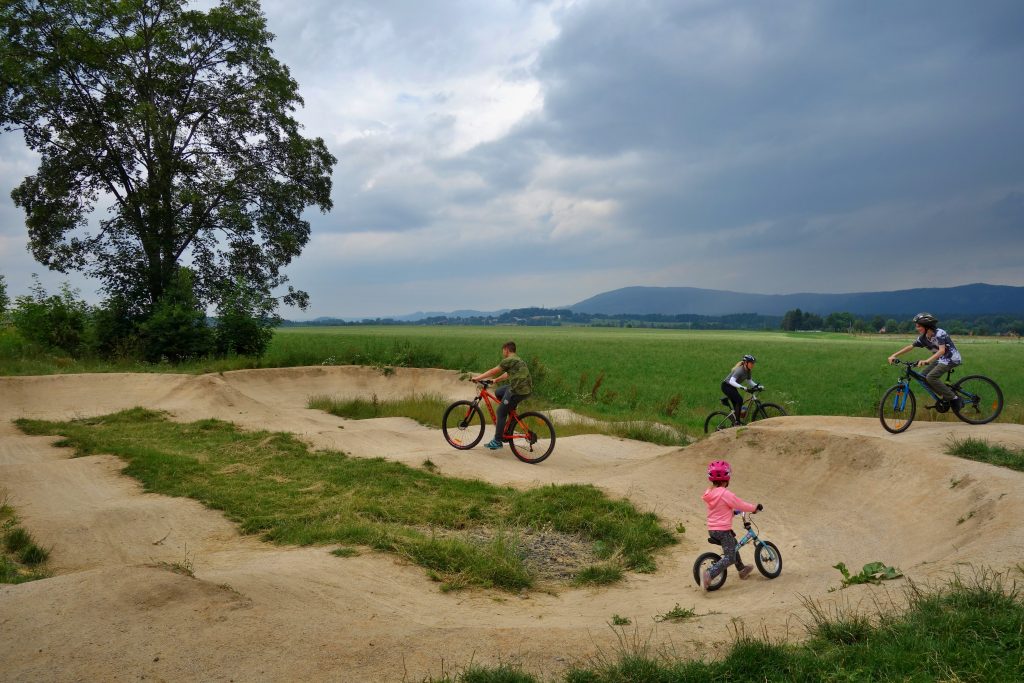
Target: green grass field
<point>621,374</point>
<point>668,376</point>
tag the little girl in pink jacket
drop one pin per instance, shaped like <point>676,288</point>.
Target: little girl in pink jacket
<point>721,503</point>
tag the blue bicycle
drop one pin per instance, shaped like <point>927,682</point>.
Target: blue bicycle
<point>981,399</point>
<point>767,557</point>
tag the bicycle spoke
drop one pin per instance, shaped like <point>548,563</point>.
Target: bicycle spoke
<point>982,399</point>
<point>533,437</point>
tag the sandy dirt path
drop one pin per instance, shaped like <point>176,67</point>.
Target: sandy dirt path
<point>835,489</point>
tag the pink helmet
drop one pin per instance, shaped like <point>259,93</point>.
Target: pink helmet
<point>719,470</point>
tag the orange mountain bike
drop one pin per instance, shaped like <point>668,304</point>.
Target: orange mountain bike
<point>530,435</point>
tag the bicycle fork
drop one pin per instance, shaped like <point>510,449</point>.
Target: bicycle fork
<point>469,413</point>
<point>899,401</point>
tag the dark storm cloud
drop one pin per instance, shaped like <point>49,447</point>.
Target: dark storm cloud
<point>802,107</point>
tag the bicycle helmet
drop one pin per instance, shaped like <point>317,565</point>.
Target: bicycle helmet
<point>747,358</point>
<point>719,470</point>
<point>926,320</point>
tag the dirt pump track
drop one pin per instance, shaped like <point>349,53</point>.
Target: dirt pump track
<point>834,489</point>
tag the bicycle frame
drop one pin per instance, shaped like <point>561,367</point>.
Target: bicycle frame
<point>489,399</point>
<point>900,400</point>
<point>751,535</point>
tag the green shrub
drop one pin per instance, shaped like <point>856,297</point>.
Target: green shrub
<point>55,321</point>
<point>5,301</point>
<point>114,329</point>
<point>177,330</point>
<point>245,322</point>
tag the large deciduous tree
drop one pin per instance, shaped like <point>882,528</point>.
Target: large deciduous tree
<point>181,123</point>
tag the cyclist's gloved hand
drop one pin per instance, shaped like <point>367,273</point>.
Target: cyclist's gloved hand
<point>759,507</point>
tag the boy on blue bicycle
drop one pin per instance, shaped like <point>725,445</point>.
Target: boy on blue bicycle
<point>944,356</point>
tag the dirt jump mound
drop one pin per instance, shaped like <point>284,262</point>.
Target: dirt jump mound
<point>146,585</point>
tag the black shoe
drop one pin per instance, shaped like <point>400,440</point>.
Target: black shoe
<point>957,403</point>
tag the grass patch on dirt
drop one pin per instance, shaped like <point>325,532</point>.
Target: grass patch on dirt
<point>964,631</point>
<point>428,411</point>
<point>983,451</point>
<point>271,484</point>
<point>21,558</point>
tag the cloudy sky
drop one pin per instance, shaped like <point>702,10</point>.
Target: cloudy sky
<point>506,153</point>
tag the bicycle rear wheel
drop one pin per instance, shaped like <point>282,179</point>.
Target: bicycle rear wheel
<point>766,410</point>
<point>463,425</point>
<point>982,400</point>
<point>533,437</point>
<point>703,563</point>
<point>897,409</point>
<point>717,421</point>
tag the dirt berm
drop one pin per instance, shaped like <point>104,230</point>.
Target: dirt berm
<point>834,489</point>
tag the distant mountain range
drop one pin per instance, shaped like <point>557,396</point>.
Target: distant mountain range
<point>963,301</point>
<point>976,299</point>
<point>408,318</point>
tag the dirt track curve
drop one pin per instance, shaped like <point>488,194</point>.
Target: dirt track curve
<point>835,489</point>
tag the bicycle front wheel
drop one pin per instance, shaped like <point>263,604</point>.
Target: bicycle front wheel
<point>768,559</point>
<point>463,425</point>
<point>766,410</point>
<point>717,421</point>
<point>982,400</point>
<point>533,437</point>
<point>897,409</point>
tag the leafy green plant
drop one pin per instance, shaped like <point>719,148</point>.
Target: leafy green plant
<point>621,621</point>
<point>872,572</point>
<point>677,613</point>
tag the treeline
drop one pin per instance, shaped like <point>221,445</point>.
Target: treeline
<point>174,329</point>
<point>848,322</point>
<point>552,317</point>
<point>793,320</point>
